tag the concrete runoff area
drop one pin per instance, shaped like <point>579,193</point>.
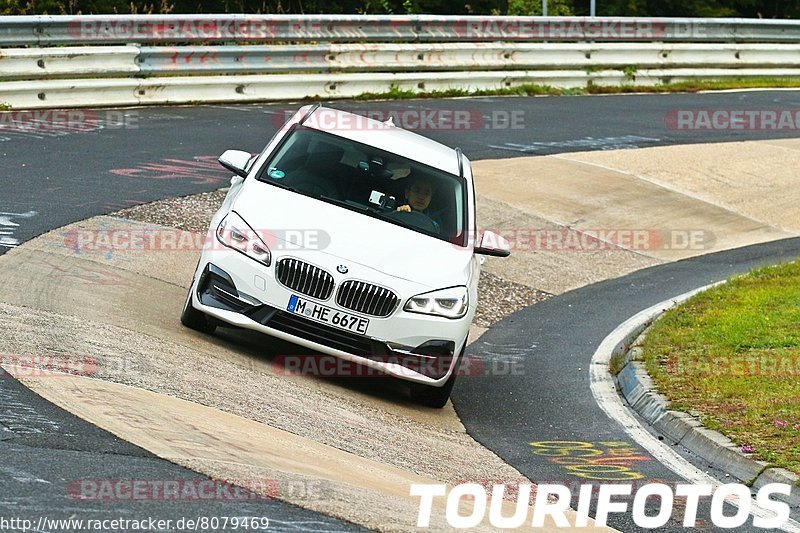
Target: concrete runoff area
<point>645,206</point>
<point>544,265</point>
<point>143,360</point>
<point>230,448</point>
<point>572,193</point>
<point>157,384</point>
<point>754,179</point>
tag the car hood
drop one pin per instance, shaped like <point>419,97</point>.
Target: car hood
<point>349,236</point>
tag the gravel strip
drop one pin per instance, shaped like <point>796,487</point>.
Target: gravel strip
<point>499,297</point>
<point>188,213</point>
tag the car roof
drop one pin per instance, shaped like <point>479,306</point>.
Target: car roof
<point>389,138</point>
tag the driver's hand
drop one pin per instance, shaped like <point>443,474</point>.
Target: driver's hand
<point>406,208</point>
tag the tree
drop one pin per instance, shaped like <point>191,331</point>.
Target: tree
<point>555,8</point>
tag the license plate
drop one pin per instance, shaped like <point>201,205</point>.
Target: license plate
<point>327,315</point>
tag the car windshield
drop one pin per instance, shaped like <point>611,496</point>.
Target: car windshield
<point>372,182</point>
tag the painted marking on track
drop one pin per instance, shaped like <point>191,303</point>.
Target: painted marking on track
<point>605,461</point>
<point>590,143</point>
<point>46,124</point>
<point>8,227</point>
<point>200,170</point>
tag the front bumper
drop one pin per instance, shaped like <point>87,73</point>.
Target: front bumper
<point>414,347</point>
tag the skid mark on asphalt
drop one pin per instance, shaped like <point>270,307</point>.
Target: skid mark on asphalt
<point>509,352</point>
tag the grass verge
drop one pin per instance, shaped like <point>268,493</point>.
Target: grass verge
<point>396,93</point>
<point>731,356</point>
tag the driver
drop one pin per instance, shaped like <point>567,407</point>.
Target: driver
<point>419,194</point>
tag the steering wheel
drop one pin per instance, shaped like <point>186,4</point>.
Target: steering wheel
<point>415,219</point>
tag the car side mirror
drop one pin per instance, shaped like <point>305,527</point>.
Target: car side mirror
<point>236,161</point>
<point>494,245</point>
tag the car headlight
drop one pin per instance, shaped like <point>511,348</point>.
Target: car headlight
<point>449,303</point>
<point>235,233</point>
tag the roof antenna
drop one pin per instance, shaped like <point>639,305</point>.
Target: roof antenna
<point>389,122</point>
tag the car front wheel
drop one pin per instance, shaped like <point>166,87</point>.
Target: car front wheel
<point>194,319</point>
<point>437,396</point>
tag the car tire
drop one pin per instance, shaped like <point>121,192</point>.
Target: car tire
<point>194,319</point>
<point>437,396</point>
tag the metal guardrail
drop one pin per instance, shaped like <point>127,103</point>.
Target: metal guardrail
<point>44,30</point>
<point>458,56</point>
<point>94,92</point>
<point>132,60</point>
<point>330,56</point>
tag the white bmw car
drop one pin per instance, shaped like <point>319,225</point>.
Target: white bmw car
<point>353,238</point>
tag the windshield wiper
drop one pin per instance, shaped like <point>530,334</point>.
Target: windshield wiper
<point>279,184</point>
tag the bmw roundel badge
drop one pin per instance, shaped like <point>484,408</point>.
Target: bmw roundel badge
<point>341,269</point>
